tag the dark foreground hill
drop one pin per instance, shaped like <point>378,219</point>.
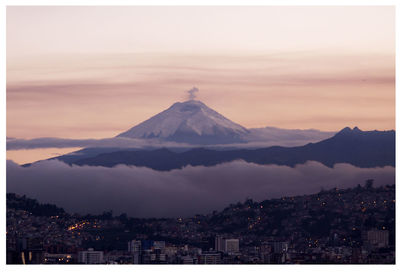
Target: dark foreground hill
<point>334,226</point>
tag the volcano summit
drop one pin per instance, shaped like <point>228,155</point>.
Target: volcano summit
<point>189,122</point>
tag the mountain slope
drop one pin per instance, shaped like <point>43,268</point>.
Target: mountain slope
<point>190,122</point>
<point>274,136</point>
<point>353,146</point>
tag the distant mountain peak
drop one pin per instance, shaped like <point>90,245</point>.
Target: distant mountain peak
<point>348,131</point>
<point>189,105</point>
<point>190,122</point>
<point>192,101</point>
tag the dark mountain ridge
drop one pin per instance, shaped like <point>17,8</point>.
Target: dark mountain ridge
<point>359,148</point>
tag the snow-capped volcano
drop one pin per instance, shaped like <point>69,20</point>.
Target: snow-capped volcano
<point>190,122</point>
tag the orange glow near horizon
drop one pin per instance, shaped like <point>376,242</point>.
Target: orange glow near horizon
<point>27,156</point>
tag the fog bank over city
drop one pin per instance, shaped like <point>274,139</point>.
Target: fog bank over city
<point>144,192</point>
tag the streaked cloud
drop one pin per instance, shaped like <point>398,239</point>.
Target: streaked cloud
<point>76,83</point>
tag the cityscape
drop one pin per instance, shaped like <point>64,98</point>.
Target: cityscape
<point>339,226</point>
<point>243,137</point>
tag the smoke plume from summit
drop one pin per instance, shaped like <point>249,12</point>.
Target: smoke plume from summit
<point>192,93</point>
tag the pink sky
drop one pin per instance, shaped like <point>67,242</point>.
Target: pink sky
<point>84,72</point>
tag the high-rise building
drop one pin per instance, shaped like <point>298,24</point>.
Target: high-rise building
<point>134,246</point>
<point>210,258</point>
<point>91,257</point>
<point>154,256</point>
<point>280,247</point>
<point>226,245</point>
<point>231,246</point>
<point>377,238</point>
<point>219,244</point>
<point>25,251</point>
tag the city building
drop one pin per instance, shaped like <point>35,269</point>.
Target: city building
<point>231,246</point>
<point>210,258</point>
<point>188,260</point>
<point>377,238</point>
<point>226,245</point>
<point>159,245</point>
<point>280,247</point>
<point>219,244</point>
<point>134,246</point>
<point>90,257</point>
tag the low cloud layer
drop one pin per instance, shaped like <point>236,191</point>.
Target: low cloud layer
<point>143,192</point>
<point>259,137</point>
<point>49,142</point>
